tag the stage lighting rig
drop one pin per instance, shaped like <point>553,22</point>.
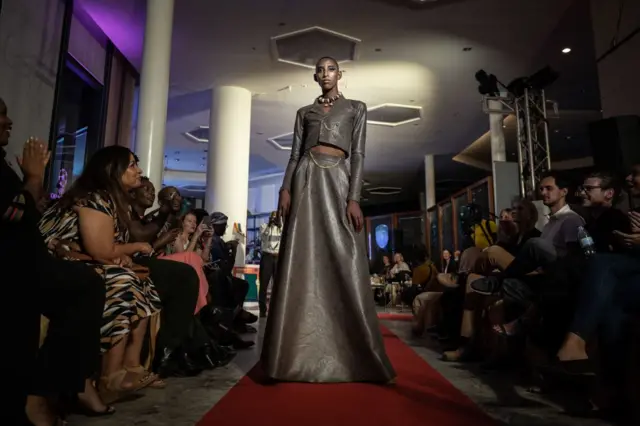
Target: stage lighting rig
<point>525,98</point>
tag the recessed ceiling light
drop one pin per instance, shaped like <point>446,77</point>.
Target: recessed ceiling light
<point>201,165</point>
<point>260,133</point>
<point>378,49</point>
<point>177,159</point>
<point>467,49</point>
<point>566,50</point>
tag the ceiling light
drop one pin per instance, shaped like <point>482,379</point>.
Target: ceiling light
<point>467,49</point>
<point>566,50</point>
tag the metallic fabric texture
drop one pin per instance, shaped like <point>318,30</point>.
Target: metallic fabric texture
<point>322,325</point>
<point>344,127</point>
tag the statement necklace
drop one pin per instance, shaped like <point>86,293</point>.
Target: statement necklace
<point>329,101</point>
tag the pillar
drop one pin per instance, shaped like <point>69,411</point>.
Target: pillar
<point>154,90</point>
<point>496,129</point>
<point>228,158</point>
<point>429,182</point>
<point>506,175</point>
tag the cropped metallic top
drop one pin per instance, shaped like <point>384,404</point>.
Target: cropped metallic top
<point>344,126</point>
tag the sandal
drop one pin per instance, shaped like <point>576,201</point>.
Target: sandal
<point>110,388</point>
<point>158,383</point>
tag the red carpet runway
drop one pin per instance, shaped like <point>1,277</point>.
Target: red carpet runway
<point>421,397</point>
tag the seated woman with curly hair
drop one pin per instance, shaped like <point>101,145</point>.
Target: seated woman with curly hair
<point>91,222</point>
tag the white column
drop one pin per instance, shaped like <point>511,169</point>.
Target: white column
<point>496,129</point>
<point>498,150</point>
<point>228,159</point>
<point>154,90</point>
<point>429,181</point>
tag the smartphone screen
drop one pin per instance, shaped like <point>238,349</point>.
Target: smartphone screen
<point>206,220</point>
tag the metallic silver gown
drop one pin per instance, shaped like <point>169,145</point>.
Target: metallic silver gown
<point>322,324</point>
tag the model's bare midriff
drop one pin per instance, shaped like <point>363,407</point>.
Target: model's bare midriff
<point>329,150</point>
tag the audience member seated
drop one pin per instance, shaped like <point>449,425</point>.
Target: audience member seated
<point>70,295</point>
<point>227,292</point>
<point>601,221</point>
<point>399,265</point>
<point>517,228</point>
<point>171,243</point>
<point>424,294</point>
<point>192,350</point>
<point>386,267</point>
<point>399,272</point>
<point>90,222</point>
<point>610,292</point>
<point>559,237</point>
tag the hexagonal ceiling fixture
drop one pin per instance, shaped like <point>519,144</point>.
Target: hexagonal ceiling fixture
<point>282,142</point>
<point>385,190</point>
<point>194,188</point>
<point>198,135</point>
<point>304,47</point>
<point>393,115</point>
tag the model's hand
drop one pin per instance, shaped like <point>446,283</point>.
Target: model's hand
<point>284,203</point>
<point>354,215</point>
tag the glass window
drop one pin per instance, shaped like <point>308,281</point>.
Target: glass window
<point>447,226</point>
<point>480,196</point>
<point>434,235</point>
<point>78,115</point>
<point>459,202</point>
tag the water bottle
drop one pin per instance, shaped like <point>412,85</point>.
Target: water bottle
<point>586,242</point>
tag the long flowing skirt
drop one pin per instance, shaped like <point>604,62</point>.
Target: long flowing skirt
<point>322,324</point>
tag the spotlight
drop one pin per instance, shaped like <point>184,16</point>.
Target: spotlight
<point>488,83</point>
<point>566,50</point>
<point>543,78</point>
<point>538,81</point>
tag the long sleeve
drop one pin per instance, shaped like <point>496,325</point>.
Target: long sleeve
<point>14,200</point>
<point>296,146</point>
<point>357,152</point>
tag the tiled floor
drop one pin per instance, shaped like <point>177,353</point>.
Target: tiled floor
<point>186,400</point>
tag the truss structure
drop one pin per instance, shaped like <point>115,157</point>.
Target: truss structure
<point>530,110</point>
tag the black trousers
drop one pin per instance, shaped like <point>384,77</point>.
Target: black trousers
<point>177,285</point>
<point>226,290</point>
<point>72,296</point>
<point>268,269</point>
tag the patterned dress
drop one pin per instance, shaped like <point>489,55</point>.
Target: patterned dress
<point>129,298</point>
